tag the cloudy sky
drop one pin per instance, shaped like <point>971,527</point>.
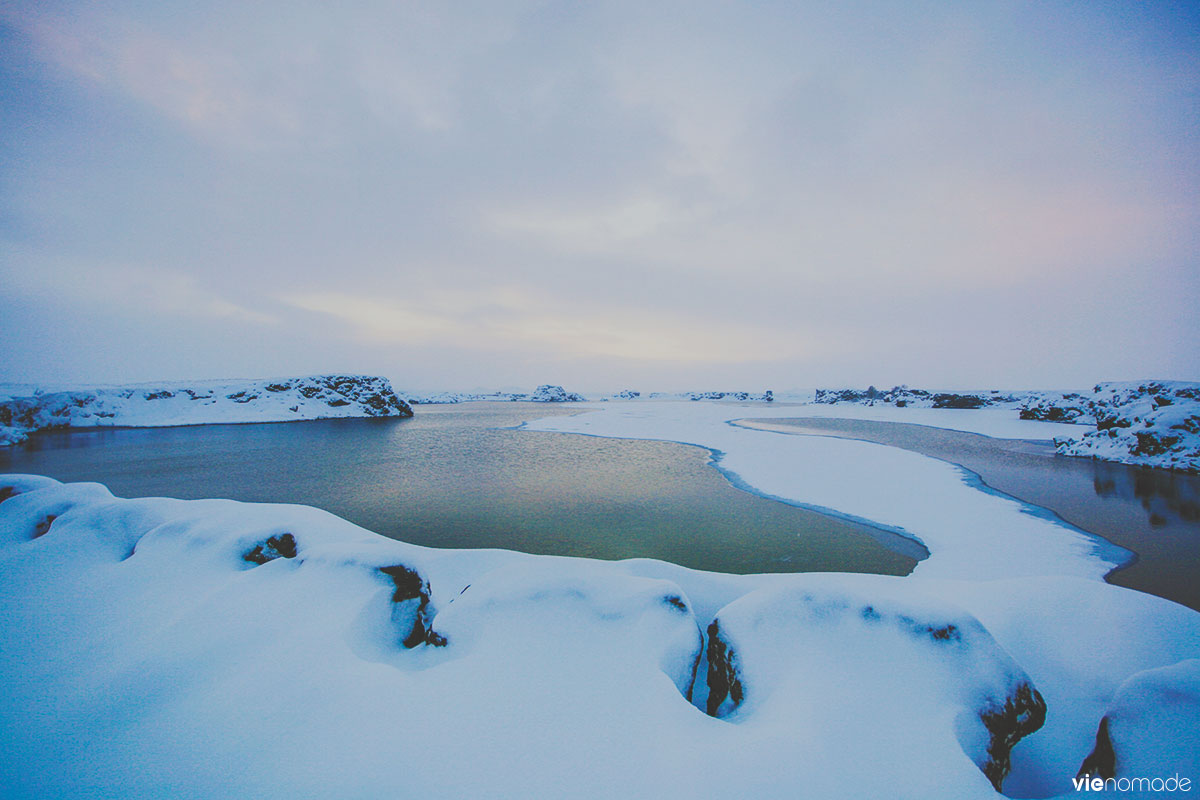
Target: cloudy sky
<point>647,194</point>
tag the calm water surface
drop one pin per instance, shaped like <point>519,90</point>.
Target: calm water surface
<point>459,476</point>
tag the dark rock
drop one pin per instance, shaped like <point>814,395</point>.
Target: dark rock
<point>1023,712</point>
<point>723,679</point>
<point>949,400</point>
<point>281,546</point>
<point>1102,761</point>
<point>410,586</point>
<point>7,492</point>
<point>43,527</point>
<point>278,387</point>
<point>159,395</point>
<point>1150,443</point>
<point>675,601</point>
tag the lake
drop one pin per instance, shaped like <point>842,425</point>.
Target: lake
<point>461,476</point>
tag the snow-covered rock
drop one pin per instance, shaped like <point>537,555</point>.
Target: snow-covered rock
<point>1154,424</point>
<point>1148,734</point>
<point>902,396</point>
<point>208,648</point>
<point>738,396</point>
<point>154,405</point>
<point>775,650</point>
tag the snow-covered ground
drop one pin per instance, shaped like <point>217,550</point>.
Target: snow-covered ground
<point>195,403</point>
<point>164,648</point>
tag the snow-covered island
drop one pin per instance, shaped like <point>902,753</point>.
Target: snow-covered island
<point>201,402</point>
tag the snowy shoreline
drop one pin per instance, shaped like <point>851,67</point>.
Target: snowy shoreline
<point>200,403</point>
<point>922,499</point>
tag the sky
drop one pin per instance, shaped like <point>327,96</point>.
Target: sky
<point>646,195</point>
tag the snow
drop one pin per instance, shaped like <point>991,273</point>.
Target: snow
<point>969,533</point>
<point>145,656</point>
<point>204,402</point>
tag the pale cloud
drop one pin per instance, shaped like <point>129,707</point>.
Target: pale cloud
<point>598,230</point>
<point>198,85</point>
<point>374,318</point>
<point>134,288</point>
<point>511,319</point>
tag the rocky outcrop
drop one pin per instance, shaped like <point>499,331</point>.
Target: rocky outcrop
<point>902,396</point>
<point>1154,424</point>
<point>546,393</point>
<point>279,400</point>
<point>1021,713</point>
<point>411,610</point>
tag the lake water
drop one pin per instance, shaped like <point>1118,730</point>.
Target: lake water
<point>460,476</point>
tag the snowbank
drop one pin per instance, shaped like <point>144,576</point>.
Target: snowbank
<point>153,405</point>
<point>211,648</point>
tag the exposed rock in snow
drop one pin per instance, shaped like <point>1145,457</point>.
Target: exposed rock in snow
<point>159,647</point>
<point>1150,729</point>
<point>774,650</point>
<point>739,396</point>
<point>154,405</point>
<point>1155,424</point>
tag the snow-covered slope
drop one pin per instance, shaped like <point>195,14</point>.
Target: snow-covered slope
<point>153,405</point>
<point>164,648</point>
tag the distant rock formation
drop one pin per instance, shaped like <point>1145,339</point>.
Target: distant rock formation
<point>901,396</point>
<point>197,403</point>
<point>546,393</point>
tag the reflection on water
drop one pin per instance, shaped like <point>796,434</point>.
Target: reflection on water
<point>1166,496</point>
